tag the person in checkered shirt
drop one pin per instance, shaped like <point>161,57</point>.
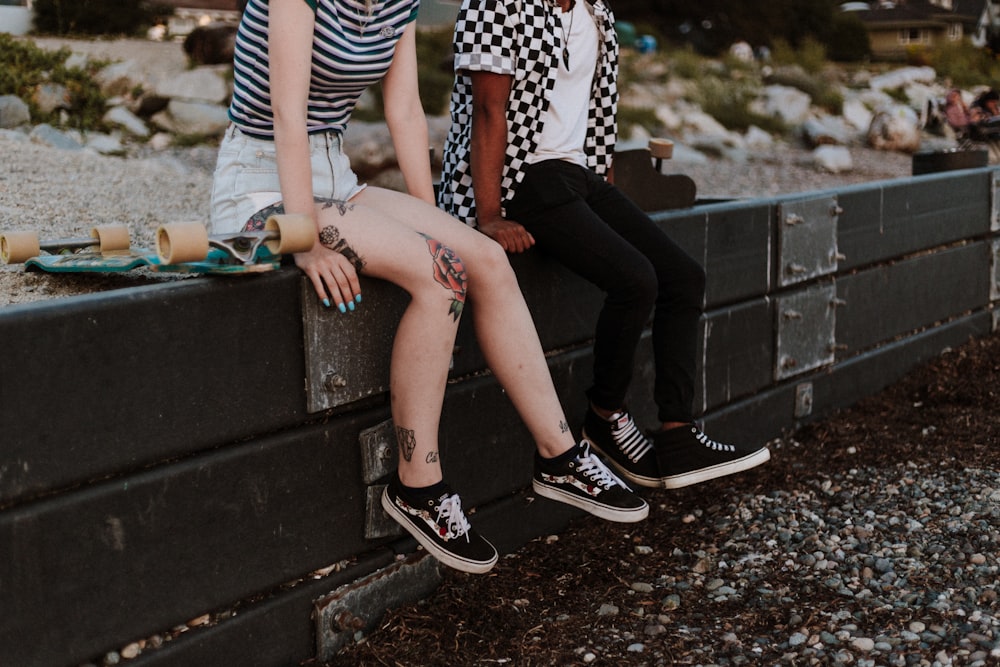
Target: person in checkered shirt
<point>527,161</point>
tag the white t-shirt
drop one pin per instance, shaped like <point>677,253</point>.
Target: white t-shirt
<point>564,128</point>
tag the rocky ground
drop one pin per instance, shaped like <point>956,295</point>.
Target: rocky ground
<point>870,538</point>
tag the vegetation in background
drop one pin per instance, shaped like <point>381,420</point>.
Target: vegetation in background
<point>96,17</point>
<point>966,65</point>
<point>24,67</point>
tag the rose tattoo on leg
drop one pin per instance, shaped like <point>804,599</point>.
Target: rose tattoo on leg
<point>449,272</point>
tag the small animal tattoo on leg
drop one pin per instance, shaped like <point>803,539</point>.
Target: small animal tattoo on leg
<point>407,442</point>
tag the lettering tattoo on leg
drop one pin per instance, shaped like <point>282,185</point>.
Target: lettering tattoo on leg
<point>330,237</point>
<point>432,457</point>
<point>407,442</point>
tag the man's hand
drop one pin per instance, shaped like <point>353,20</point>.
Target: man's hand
<point>511,236</point>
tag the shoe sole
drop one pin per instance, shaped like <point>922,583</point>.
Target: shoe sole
<point>605,512</point>
<point>648,482</point>
<point>719,470</point>
<point>446,557</point>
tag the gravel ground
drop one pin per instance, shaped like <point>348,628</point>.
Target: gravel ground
<point>870,539</point>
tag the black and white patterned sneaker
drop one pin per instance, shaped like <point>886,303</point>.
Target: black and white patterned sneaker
<point>440,526</point>
<point>624,446</point>
<point>687,456</point>
<point>585,482</point>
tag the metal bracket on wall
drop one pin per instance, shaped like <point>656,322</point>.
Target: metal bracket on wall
<point>341,364</point>
<point>378,451</point>
<point>995,201</point>
<point>995,271</point>
<point>378,524</point>
<point>806,329</point>
<point>358,607</point>
<point>807,239</point>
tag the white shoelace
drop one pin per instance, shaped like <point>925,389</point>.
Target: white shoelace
<point>595,470</point>
<point>712,444</point>
<point>628,437</point>
<point>451,512</point>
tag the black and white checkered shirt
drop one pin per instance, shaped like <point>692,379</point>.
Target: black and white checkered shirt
<point>521,38</point>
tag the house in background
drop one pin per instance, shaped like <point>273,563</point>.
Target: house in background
<point>895,28</point>
<point>432,12</point>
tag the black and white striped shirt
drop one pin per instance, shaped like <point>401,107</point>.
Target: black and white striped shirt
<point>353,45</point>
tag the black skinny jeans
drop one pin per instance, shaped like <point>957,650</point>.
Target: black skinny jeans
<point>588,225</point>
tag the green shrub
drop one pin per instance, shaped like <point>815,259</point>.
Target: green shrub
<point>810,56</point>
<point>848,41</point>
<point>729,103</point>
<point>24,66</point>
<point>95,17</point>
<point>966,65</point>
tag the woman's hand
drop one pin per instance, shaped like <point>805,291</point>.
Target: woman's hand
<point>333,276</point>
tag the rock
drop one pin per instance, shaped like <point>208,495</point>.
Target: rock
<point>826,130</point>
<point>105,144</point>
<point>204,84</point>
<point>125,119</point>
<point>211,44</point>
<point>789,104</point>
<point>121,78</point>
<point>51,96</point>
<point>895,129</point>
<point>902,77</point>
<point>13,111</point>
<point>50,136</point>
<point>833,159</point>
<point>192,118</point>
<point>856,114</point>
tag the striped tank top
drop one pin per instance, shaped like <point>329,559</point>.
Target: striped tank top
<point>352,49</point>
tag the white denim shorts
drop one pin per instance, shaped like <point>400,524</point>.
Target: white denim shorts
<point>245,187</point>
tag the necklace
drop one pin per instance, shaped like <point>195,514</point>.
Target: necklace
<point>565,34</point>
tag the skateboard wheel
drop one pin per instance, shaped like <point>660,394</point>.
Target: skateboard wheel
<point>18,247</point>
<point>180,242</point>
<point>296,233</point>
<point>111,238</point>
<point>662,149</point>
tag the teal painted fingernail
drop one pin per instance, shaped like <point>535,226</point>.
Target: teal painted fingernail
<point>341,308</point>
<point>350,305</point>
<point>326,302</point>
<point>357,297</point>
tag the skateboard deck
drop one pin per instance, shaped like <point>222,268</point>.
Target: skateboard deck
<point>180,248</point>
<point>643,183</point>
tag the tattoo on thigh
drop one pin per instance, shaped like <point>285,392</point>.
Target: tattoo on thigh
<point>407,442</point>
<point>432,457</point>
<point>342,205</point>
<point>563,426</point>
<point>449,272</point>
<point>330,237</point>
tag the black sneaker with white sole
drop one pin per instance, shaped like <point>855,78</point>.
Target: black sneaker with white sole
<point>687,456</point>
<point>624,446</point>
<point>440,526</point>
<point>584,481</point>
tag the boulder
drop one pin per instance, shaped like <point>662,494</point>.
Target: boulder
<point>49,136</point>
<point>51,96</point>
<point>192,118</point>
<point>203,84</point>
<point>13,111</point>
<point>895,129</point>
<point>834,159</point>
<point>125,119</point>
<point>789,104</point>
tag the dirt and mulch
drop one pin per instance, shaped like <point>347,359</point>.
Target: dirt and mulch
<point>595,594</point>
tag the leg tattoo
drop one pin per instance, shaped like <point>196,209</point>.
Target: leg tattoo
<point>563,426</point>
<point>341,205</point>
<point>330,237</point>
<point>449,272</point>
<point>432,457</point>
<point>407,442</point>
